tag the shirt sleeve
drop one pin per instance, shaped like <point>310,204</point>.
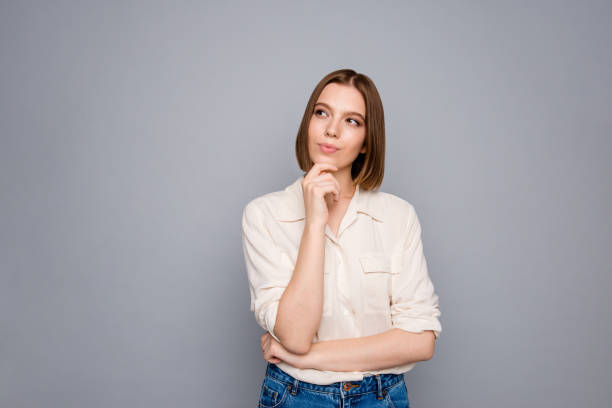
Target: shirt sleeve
<point>268,268</point>
<point>414,304</point>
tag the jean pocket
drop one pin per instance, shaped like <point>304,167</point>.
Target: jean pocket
<point>397,395</point>
<point>273,393</point>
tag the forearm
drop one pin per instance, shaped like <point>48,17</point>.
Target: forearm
<point>300,307</point>
<point>384,350</point>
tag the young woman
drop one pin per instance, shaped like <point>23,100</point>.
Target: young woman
<point>336,269</point>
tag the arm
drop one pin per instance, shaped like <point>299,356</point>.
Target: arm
<point>414,317</point>
<point>392,348</point>
<point>414,303</point>
<point>287,300</point>
<point>300,307</point>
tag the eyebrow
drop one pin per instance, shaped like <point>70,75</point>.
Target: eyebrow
<point>350,113</point>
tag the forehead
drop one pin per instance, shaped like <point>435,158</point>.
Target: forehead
<point>343,98</point>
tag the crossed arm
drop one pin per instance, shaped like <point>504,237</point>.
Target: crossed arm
<point>376,352</point>
<point>283,294</point>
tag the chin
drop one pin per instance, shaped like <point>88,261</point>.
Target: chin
<point>324,159</point>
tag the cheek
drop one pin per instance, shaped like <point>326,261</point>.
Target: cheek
<point>315,127</point>
<point>357,137</point>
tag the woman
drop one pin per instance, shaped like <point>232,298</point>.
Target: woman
<point>336,269</point>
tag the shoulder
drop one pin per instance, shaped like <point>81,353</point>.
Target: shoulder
<point>266,204</point>
<point>393,206</point>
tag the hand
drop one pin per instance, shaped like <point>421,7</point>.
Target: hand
<point>270,346</point>
<point>274,352</point>
<point>320,188</point>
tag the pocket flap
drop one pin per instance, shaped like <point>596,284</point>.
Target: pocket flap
<point>375,262</point>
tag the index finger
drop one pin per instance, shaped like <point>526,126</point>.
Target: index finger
<point>321,167</point>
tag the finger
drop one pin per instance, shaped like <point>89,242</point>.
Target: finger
<point>318,168</point>
<point>322,177</point>
<point>328,188</point>
<point>322,166</point>
<point>329,177</point>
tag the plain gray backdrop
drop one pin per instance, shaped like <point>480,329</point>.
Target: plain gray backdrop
<point>133,134</point>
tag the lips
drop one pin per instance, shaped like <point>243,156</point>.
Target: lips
<point>328,148</point>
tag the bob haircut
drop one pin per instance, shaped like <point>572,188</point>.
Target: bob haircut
<point>368,168</point>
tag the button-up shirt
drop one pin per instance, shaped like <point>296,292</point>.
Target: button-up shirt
<point>375,274</point>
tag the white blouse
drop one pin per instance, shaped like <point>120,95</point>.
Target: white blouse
<point>375,274</point>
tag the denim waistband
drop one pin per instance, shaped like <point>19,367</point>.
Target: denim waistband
<point>369,383</point>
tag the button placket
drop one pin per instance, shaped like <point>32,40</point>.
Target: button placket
<point>329,233</point>
<point>343,284</point>
<point>329,274</point>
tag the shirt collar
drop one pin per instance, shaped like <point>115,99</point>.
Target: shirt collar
<point>292,208</point>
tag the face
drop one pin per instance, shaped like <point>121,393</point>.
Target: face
<point>338,120</point>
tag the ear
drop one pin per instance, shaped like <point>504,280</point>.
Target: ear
<point>363,149</point>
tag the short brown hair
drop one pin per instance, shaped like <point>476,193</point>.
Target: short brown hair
<point>368,168</point>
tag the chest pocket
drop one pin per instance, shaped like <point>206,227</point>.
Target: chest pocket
<point>376,283</point>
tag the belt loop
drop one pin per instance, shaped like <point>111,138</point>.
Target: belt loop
<point>378,388</point>
<point>294,387</point>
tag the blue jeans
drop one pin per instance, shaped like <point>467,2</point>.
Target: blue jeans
<point>279,389</point>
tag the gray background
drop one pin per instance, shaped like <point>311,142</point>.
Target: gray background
<point>133,134</point>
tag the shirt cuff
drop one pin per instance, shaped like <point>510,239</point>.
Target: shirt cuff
<point>419,325</point>
<point>270,319</point>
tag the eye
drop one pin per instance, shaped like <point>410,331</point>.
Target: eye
<point>318,110</point>
<point>356,122</point>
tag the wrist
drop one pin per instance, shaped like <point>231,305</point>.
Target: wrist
<point>314,227</point>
